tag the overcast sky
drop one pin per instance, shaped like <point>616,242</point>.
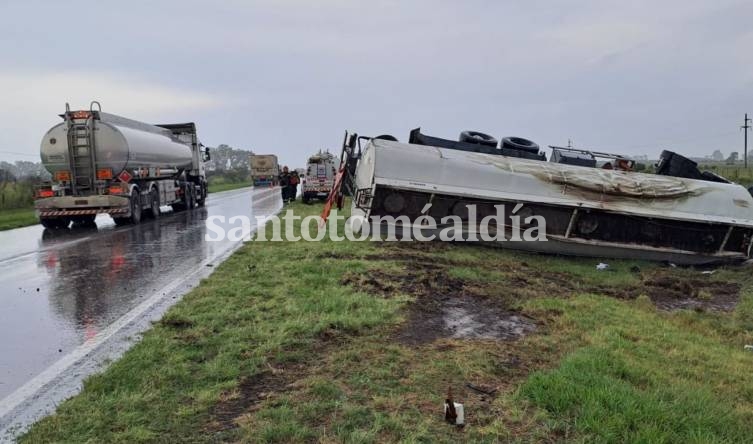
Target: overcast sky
<point>288,77</point>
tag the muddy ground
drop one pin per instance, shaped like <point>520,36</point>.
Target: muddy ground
<point>449,307</point>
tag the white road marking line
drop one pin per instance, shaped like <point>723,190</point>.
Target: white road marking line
<point>10,402</point>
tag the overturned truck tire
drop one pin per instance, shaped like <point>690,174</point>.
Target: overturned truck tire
<point>520,144</point>
<point>478,138</point>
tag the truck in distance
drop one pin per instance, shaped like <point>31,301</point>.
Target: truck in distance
<point>103,163</point>
<point>319,180</point>
<point>265,169</point>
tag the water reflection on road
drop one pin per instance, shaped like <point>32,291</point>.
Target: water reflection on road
<point>60,288</point>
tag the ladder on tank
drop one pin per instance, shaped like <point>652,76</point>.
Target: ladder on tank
<point>81,152</point>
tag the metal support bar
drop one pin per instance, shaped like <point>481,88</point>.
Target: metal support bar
<point>571,224</point>
<point>726,238</point>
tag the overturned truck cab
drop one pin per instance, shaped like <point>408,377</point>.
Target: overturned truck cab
<point>587,211</point>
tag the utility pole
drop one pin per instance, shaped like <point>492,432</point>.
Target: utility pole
<point>745,129</point>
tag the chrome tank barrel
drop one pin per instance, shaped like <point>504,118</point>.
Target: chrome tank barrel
<point>120,144</point>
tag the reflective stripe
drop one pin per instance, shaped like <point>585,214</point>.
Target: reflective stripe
<point>81,212</point>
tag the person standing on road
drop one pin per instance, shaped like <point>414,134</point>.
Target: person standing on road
<point>293,185</point>
<point>285,184</point>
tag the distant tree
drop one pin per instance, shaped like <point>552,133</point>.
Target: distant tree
<point>718,156</point>
<point>733,157</point>
<point>226,158</point>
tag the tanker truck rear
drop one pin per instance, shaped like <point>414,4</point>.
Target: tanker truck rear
<point>103,163</point>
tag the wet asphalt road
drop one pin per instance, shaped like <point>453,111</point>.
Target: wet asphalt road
<point>59,290</point>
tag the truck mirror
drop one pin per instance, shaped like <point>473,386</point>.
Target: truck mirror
<point>206,154</point>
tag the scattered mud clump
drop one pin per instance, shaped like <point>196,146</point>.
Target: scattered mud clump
<point>336,255</point>
<point>249,394</point>
<point>375,282</point>
<point>677,293</point>
<point>669,291</point>
<point>176,322</point>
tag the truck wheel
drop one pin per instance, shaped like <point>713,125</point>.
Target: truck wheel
<point>202,197</point>
<point>154,211</point>
<point>184,201</point>
<point>54,223</point>
<point>135,207</point>
<point>84,221</point>
<point>478,138</point>
<point>191,196</point>
<point>520,144</point>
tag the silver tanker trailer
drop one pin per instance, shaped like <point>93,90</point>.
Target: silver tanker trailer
<point>103,163</point>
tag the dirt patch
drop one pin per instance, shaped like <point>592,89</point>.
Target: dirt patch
<point>249,394</point>
<point>336,255</point>
<point>269,383</point>
<point>176,322</point>
<point>375,282</point>
<point>445,306</point>
<point>448,307</point>
<point>676,293</point>
<point>670,291</point>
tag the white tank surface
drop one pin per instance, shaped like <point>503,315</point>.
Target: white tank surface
<point>120,144</point>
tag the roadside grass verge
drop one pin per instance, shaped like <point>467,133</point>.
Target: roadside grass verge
<point>344,342</point>
<point>17,218</point>
<point>22,217</point>
<point>227,186</point>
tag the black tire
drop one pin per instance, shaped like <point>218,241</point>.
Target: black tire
<point>386,137</point>
<point>305,199</point>
<point>520,144</point>
<point>191,192</point>
<point>84,221</point>
<point>184,202</point>
<point>135,217</point>
<point>153,210</point>
<point>54,223</point>
<point>750,190</point>
<point>478,138</point>
<point>202,196</point>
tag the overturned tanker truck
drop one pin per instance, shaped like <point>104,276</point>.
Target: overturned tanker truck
<point>103,163</point>
<point>679,214</point>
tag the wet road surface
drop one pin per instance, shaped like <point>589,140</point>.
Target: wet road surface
<point>60,291</point>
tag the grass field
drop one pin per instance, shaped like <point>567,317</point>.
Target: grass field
<point>359,342</point>
<point>226,186</point>
<point>21,217</point>
<point>16,218</point>
<point>734,173</point>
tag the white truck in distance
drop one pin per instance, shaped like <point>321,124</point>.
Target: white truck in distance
<point>103,163</point>
<point>319,180</point>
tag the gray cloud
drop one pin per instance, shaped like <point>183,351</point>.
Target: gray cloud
<point>290,76</point>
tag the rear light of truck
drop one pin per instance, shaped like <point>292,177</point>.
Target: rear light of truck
<point>104,174</point>
<point>116,189</point>
<point>45,193</point>
<point>63,176</point>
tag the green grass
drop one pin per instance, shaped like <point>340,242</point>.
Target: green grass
<point>16,218</point>
<point>226,186</point>
<point>22,217</point>
<point>273,348</point>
